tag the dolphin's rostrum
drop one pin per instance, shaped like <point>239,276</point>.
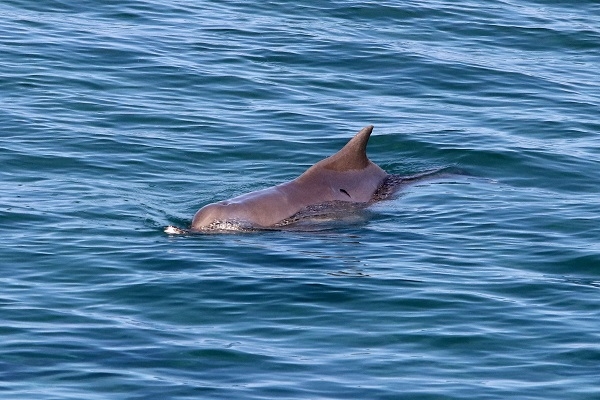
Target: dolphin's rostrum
<point>346,178</point>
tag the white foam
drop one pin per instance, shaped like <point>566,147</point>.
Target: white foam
<point>173,230</point>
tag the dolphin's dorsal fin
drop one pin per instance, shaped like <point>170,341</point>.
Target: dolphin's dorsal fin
<point>353,155</point>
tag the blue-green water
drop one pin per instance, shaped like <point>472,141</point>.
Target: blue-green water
<point>121,117</point>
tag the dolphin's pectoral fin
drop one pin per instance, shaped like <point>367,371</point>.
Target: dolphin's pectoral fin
<point>345,192</point>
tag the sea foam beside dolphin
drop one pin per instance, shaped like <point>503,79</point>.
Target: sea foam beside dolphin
<point>344,180</point>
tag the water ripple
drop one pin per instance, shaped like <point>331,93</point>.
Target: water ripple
<point>123,117</point>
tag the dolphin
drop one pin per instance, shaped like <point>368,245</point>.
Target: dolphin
<point>347,178</point>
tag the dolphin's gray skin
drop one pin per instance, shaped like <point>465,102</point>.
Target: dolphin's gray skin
<point>346,178</point>
<point>348,175</point>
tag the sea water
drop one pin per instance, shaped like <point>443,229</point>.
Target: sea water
<point>120,118</point>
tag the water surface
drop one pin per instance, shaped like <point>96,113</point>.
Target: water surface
<point>121,118</point>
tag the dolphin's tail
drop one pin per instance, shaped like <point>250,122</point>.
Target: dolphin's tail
<point>394,182</point>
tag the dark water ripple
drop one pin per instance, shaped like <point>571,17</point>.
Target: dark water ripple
<point>120,118</point>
